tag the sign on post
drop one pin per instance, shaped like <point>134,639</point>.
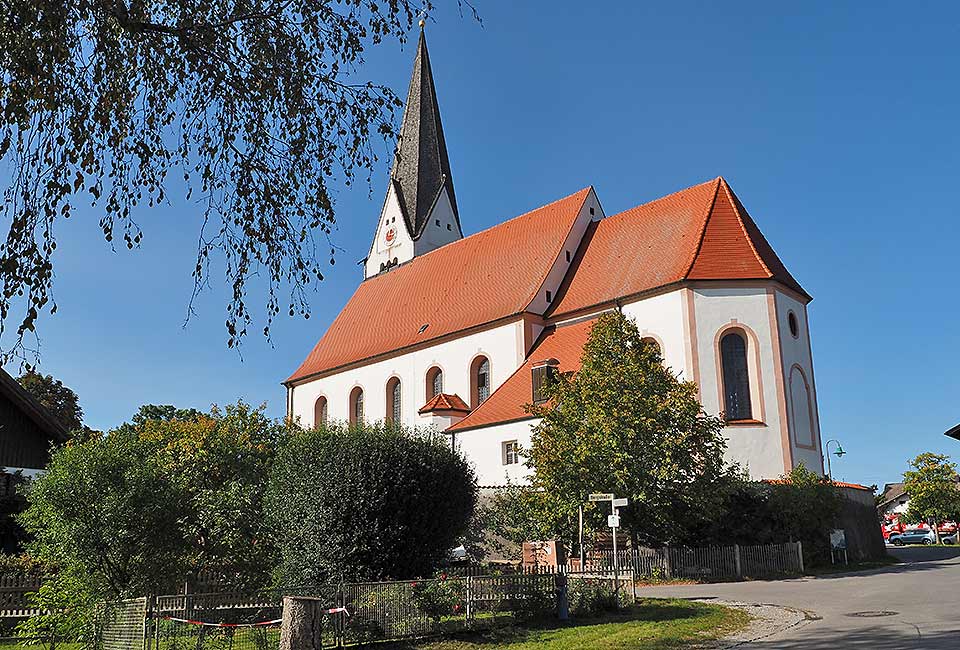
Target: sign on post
<point>602,496</point>
<point>620,503</point>
<point>613,521</point>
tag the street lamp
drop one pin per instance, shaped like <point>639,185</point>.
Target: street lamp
<point>840,454</point>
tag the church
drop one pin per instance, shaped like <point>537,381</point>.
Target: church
<point>455,332</point>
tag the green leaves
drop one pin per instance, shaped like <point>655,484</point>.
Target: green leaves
<point>625,424</point>
<point>933,488</point>
<point>255,103</point>
<point>367,502</point>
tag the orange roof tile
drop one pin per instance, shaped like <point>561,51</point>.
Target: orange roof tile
<point>700,233</point>
<point>444,402</point>
<point>506,403</point>
<point>477,280</point>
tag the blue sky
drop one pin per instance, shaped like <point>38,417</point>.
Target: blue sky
<point>836,123</point>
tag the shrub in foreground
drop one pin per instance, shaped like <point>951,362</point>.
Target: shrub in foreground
<point>367,503</point>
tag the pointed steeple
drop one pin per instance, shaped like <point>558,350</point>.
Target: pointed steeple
<point>421,168</point>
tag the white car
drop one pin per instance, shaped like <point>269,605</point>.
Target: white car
<point>949,539</point>
<point>916,536</point>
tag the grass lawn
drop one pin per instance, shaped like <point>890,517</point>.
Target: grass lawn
<point>653,624</point>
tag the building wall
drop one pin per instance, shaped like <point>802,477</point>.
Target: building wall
<point>399,247</point>
<point>761,448</point>
<point>802,413</point>
<point>499,344</point>
<point>484,449</point>
<point>436,234</point>
<point>23,445</point>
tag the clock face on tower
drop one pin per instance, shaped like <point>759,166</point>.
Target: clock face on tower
<point>390,236</point>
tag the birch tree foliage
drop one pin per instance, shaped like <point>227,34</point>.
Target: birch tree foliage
<point>254,104</point>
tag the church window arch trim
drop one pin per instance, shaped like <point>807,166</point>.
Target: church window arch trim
<point>393,392</point>
<point>797,369</point>
<point>321,411</point>
<point>481,379</point>
<point>754,369</point>
<point>433,381</point>
<point>356,405</point>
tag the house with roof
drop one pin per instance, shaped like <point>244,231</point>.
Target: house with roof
<point>27,430</point>
<point>456,332</point>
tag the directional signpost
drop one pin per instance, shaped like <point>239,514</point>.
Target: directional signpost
<point>613,521</point>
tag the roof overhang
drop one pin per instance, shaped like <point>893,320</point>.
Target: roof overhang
<point>954,432</point>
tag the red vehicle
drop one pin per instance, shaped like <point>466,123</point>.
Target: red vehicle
<point>892,524</point>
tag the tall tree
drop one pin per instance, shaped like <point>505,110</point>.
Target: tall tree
<point>62,402</point>
<point>164,413</point>
<point>255,104</point>
<point>933,488</point>
<point>625,424</point>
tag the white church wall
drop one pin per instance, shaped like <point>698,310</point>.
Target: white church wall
<point>759,448</point>
<point>392,241</point>
<point>498,344</point>
<point>439,234</point>
<point>484,449</point>
<point>661,318</point>
<point>800,386</point>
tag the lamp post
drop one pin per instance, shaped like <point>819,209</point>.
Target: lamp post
<point>840,454</point>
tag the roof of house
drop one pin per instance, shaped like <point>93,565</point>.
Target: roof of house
<point>28,404</point>
<point>954,432</point>
<point>445,402</point>
<point>476,280</point>
<point>891,492</point>
<point>506,403</point>
<point>421,167</point>
<point>700,233</point>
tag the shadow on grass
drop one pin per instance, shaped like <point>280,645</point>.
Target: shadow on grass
<point>646,610</point>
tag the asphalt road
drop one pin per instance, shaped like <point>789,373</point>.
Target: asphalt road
<point>915,604</point>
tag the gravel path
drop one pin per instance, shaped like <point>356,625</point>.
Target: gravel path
<point>766,621</point>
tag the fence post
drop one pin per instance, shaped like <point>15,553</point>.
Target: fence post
<point>669,569</point>
<point>563,604</point>
<point>800,554</point>
<point>736,560</point>
<point>469,602</point>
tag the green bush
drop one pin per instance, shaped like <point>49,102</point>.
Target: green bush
<point>534,600</point>
<point>367,503</point>
<point>588,597</point>
<point>438,598</point>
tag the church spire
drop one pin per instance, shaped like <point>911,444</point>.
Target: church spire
<point>420,210</point>
<point>421,168</point>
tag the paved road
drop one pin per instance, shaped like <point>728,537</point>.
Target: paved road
<point>923,592</point>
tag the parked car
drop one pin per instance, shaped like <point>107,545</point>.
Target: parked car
<point>917,536</point>
<point>949,539</point>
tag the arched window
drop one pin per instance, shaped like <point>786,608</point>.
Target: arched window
<point>736,376</point>
<point>356,405</point>
<point>479,381</point>
<point>393,400</point>
<point>434,382</point>
<point>652,342</point>
<point>320,412</point>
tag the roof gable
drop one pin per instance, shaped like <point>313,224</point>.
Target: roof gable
<point>477,280</point>
<point>32,408</point>
<point>700,233</point>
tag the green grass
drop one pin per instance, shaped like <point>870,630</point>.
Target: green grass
<point>652,624</point>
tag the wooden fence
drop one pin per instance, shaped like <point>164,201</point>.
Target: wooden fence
<point>14,595</point>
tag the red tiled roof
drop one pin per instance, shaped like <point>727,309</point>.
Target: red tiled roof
<point>444,402</point>
<point>506,403</point>
<point>700,233</point>
<point>477,280</point>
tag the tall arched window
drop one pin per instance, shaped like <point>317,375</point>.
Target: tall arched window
<point>393,400</point>
<point>434,382</point>
<point>479,381</point>
<point>736,376</point>
<point>652,342</point>
<point>356,405</point>
<point>320,412</point>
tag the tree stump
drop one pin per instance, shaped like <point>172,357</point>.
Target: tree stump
<point>302,626</point>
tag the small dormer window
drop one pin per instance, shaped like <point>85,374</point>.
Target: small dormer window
<point>549,297</point>
<point>542,374</point>
<point>448,227</point>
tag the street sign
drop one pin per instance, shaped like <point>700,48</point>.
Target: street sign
<point>602,496</point>
<point>619,503</point>
<point>613,521</point>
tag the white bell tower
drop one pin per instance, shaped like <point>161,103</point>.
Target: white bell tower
<point>420,210</point>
